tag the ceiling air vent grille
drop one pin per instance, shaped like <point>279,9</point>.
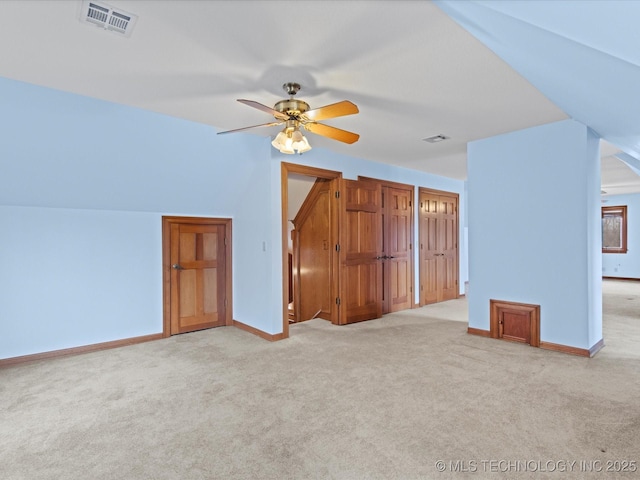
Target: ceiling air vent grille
<point>436,139</point>
<point>106,17</point>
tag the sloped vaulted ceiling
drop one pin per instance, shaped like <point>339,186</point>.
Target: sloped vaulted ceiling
<point>583,56</point>
<point>411,66</point>
<point>412,71</point>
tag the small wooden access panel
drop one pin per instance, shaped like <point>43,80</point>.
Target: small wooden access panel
<point>517,322</point>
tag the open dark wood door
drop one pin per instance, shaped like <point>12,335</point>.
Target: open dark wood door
<point>360,291</point>
<point>313,250</point>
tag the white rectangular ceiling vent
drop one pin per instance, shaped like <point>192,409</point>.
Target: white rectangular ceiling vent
<point>107,17</point>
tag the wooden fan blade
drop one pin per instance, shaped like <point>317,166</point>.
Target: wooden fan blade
<point>264,108</point>
<point>254,126</point>
<point>339,109</point>
<point>332,132</point>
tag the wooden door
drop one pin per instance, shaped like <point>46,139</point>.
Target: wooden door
<point>197,264</point>
<point>313,247</point>
<point>438,246</point>
<point>397,271</point>
<point>360,251</point>
<point>286,170</point>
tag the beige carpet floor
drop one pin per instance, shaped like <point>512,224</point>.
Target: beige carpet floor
<point>384,399</point>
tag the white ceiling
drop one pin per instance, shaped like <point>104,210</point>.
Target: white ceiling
<point>411,70</point>
<point>617,177</point>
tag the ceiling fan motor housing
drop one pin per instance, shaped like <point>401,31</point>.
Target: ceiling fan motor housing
<point>291,107</point>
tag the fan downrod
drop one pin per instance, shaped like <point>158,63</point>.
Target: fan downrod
<point>291,88</point>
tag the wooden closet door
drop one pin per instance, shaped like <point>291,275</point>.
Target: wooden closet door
<point>397,252</point>
<point>360,251</point>
<point>438,247</point>
<point>448,240</point>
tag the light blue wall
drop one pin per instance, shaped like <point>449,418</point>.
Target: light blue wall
<point>76,277</point>
<point>618,264</point>
<point>97,178</point>
<point>68,151</point>
<point>83,187</point>
<point>534,216</point>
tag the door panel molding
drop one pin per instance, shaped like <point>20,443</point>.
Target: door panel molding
<point>398,277</point>
<point>360,296</point>
<point>439,250</point>
<point>169,288</point>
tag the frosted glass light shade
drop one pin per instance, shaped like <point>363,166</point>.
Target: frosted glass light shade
<point>302,145</point>
<point>291,143</point>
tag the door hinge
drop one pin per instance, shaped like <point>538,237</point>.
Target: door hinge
<point>337,247</point>
<point>337,300</point>
<point>410,246</point>
<point>225,302</point>
<point>225,241</point>
<point>337,194</point>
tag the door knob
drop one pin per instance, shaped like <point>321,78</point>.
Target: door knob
<point>177,266</point>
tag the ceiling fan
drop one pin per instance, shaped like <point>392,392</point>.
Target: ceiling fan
<point>295,114</point>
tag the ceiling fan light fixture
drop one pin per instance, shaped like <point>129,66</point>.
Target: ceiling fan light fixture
<point>297,136</point>
<point>290,141</point>
<point>283,142</point>
<point>299,142</point>
<point>302,145</point>
<point>288,150</point>
<point>295,113</point>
